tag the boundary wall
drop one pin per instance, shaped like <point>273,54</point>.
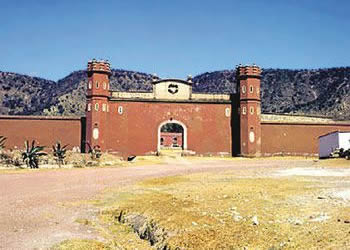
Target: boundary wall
<point>296,135</point>
<point>45,130</point>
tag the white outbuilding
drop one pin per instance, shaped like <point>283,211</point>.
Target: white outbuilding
<point>330,142</point>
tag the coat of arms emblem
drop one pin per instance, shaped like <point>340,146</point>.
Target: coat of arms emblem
<point>173,88</point>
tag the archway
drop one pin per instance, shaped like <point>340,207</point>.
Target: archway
<point>172,134</point>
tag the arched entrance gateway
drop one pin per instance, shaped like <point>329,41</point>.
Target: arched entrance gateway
<point>172,134</point>
<point>173,116</point>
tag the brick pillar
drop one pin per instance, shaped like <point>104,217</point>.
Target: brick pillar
<point>97,105</point>
<point>250,110</point>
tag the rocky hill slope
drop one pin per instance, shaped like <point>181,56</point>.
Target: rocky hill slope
<point>313,92</point>
<point>323,92</point>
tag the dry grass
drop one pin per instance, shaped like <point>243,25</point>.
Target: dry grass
<point>216,210</point>
<point>119,236</point>
<point>210,211</point>
<point>79,244</point>
<point>144,161</point>
<point>335,163</point>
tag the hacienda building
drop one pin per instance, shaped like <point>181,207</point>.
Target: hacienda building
<point>173,116</point>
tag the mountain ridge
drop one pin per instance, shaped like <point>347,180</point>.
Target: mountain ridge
<point>324,91</point>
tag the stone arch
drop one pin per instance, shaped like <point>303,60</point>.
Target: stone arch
<point>177,122</point>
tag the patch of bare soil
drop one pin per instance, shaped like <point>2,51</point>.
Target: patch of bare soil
<point>203,202</point>
<point>36,209</point>
<point>298,207</point>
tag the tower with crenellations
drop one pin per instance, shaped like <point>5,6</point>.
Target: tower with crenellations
<point>97,106</point>
<point>249,109</point>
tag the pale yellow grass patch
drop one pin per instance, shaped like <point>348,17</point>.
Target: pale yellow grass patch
<point>80,244</point>
<point>334,163</point>
<point>210,211</point>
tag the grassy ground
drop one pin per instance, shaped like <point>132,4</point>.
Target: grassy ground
<point>107,160</point>
<point>335,163</point>
<point>79,244</point>
<point>228,210</point>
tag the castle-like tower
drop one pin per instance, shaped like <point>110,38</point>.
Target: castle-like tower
<point>249,110</point>
<point>97,102</point>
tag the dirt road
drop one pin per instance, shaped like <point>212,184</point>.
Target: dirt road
<point>34,206</point>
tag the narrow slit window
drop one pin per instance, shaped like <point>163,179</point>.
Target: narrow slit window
<point>120,110</point>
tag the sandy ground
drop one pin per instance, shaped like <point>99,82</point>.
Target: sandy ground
<point>36,208</point>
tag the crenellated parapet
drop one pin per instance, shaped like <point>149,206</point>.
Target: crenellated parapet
<point>101,66</point>
<point>249,71</point>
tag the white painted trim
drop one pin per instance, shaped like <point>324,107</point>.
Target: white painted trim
<point>184,135</point>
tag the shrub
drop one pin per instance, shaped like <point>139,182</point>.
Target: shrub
<point>59,152</point>
<point>95,152</point>
<point>2,142</point>
<point>341,153</point>
<point>10,159</point>
<point>32,154</point>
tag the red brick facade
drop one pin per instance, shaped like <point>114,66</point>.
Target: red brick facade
<point>295,138</point>
<point>132,126</point>
<point>130,123</point>
<point>250,129</point>
<point>97,103</point>
<point>44,130</point>
<point>171,140</point>
<point>136,130</point>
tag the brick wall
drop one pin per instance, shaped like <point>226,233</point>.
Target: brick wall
<point>295,138</point>
<point>45,130</point>
<point>134,131</point>
<point>168,139</point>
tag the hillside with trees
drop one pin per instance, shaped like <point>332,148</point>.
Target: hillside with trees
<point>323,92</point>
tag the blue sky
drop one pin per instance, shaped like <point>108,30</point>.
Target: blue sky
<point>174,38</point>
